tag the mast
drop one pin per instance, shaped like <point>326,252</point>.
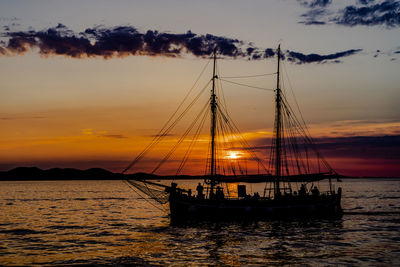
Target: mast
<point>278,130</point>
<point>213,105</point>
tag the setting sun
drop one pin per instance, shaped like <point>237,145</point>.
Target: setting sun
<point>233,155</point>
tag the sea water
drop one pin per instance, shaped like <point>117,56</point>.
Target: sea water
<point>106,223</point>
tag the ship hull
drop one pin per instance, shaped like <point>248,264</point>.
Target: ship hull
<point>184,208</point>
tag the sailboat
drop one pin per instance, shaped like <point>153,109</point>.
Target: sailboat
<point>289,164</point>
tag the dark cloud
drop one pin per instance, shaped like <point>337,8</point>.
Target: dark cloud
<point>313,22</point>
<point>128,41</point>
<point>353,155</point>
<point>367,147</point>
<point>320,3</point>
<point>385,13</point>
<point>300,58</point>
<point>120,41</point>
<point>269,53</point>
<point>377,53</point>
<point>364,12</point>
<point>365,2</point>
<point>315,16</point>
<point>315,3</point>
<point>356,147</point>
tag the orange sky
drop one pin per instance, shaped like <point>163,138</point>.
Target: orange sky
<point>58,111</point>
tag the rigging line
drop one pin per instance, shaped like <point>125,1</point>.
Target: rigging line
<point>157,136</point>
<point>225,128</point>
<point>180,140</point>
<point>187,95</point>
<point>283,146</point>
<point>292,150</point>
<point>248,76</point>
<point>225,140</point>
<point>234,128</point>
<point>294,96</point>
<point>160,136</point>
<point>295,146</point>
<point>246,85</point>
<point>221,89</point>
<point>307,137</point>
<point>192,143</point>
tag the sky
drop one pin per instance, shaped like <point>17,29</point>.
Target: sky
<point>88,84</point>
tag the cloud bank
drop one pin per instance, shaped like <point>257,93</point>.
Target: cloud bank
<point>124,41</point>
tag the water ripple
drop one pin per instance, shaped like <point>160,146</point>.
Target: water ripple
<point>92,223</point>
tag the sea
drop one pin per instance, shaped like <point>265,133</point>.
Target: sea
<point>106,223</point>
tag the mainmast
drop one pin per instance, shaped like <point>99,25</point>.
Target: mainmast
<point>213,104</point>
<point>278,130</point>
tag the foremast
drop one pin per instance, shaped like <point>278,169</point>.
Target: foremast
<point>278,128</point>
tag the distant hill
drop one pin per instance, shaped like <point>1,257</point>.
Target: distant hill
<point>34,173</point>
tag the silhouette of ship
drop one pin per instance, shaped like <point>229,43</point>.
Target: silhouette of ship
<point>295,165</point>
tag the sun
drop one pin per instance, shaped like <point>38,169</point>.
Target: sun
<point>233,155</point>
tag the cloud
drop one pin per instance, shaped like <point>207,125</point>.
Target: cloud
<point>21,118</point>
<point>320,3</point>
<point>366,147</point>
<point>119,42</point>
<point>124,41</point>
<point>363,155</point>
<point>315,16</point>
<point>365,2</point>
<point>364,12</point>
<point>300,58</point>
<point>313,22</point>
<point>377,53</point>
<point>117,136</point>
<point>105,134</point>
<point>385,13</point>
<point>351,155</point>
<point>315,3</point>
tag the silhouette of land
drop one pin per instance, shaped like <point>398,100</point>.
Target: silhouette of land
<point>34,173</point>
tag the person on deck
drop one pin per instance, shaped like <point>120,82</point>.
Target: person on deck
<point>302,191</point>
<point>315,191</point>
<point>200,193</point>
<point>219,193</point>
